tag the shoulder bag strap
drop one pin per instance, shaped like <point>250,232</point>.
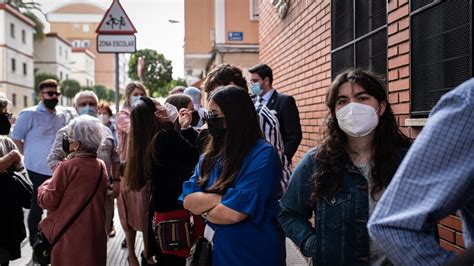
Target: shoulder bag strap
<point>74,218</point>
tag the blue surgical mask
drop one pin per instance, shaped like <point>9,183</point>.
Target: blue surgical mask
<point>133,100</point>
<point>256,89</point>
<point>88,110</point>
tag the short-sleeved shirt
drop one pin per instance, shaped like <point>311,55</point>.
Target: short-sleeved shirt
<point>258,240</point>
<point>37,128</point>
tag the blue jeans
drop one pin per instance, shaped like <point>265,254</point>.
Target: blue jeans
<point>34,217</point>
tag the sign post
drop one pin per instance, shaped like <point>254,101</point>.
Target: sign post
<point>116,34</point>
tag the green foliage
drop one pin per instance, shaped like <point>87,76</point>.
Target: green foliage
<point>110,95</point>
<point>100,91</point>
<point>175,82</point>
<point>39,27</point>
<point>157,71</point>
<point>70,88</point>
<point>26,9</point>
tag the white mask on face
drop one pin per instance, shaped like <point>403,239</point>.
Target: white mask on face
<point>171,111</point>
<point>357,120</point>
<point>134,100</point>
<point>104,118</point>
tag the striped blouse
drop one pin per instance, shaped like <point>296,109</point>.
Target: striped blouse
<point>271,129</point>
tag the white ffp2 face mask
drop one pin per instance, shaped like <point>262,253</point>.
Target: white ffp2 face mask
<point>171,111</point>
<point>357,120</point>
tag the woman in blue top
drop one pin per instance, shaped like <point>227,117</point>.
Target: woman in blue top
<point>235,186</point>
<point>341,181</point>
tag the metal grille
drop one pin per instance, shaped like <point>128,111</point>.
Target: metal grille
<point>362,41</point>
<point>370,14</point>
<point>416,4</point>
<point>441,52</point>
<point>341,60</point>
<point>341,19</point>
<point>371,53</point>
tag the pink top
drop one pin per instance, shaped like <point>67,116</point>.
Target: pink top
<point>122,122</point>
<point>63,195</point>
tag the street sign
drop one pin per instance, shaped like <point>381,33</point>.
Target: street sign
<point>116,21</point>
<point>235,36</point>
<point>116,43</point>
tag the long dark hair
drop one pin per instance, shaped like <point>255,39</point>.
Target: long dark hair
<point>241,135</point>
<point>144,126</point>
<point>332,155</point>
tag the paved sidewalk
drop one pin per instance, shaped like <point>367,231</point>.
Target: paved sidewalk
<point>118,256</point>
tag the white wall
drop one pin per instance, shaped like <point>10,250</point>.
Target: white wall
<point>50,57</point>
<point>82,68</point>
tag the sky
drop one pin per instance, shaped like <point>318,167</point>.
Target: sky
<point>151,19</point>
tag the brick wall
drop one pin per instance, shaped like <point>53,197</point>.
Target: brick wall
<point>398,64</point>
<point>298,48</point>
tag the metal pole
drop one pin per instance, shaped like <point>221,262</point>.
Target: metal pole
<point>117,81</point>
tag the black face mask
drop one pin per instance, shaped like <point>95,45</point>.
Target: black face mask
<point>50,103</point>
<point>195,119</point>
<point>216,127</point>
<point>5,124</point>
<point>66,143</point>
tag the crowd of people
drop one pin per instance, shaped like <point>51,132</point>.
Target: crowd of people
<point>180,173</point>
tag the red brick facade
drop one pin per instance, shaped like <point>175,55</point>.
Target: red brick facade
<point>298,48</point>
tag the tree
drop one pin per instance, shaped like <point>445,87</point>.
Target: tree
<point>70,88</point>
<point>157,71</point>
<point>100,91</point>
<point>110,95</point>
<point>26,9</point>
<point>175,82</point>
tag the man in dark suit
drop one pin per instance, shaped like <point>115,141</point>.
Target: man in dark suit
<point>284,106</point>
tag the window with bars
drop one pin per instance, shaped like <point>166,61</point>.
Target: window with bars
<point>441,50</point>
<point>359,35</point>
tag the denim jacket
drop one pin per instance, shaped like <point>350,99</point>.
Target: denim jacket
<point>340,235</point>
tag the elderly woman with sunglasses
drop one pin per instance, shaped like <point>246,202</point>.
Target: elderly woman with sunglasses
<point>80,177</point>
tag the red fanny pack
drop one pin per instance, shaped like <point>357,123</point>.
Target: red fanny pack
<point>176,231</point>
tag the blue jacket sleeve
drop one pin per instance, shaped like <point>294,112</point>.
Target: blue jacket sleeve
<point>296,205</point>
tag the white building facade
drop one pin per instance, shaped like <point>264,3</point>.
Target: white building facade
<point>52,55</point>
<point>16,58</point>
<point>82,66</point>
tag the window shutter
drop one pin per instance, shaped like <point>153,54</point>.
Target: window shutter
<point>441,51</point>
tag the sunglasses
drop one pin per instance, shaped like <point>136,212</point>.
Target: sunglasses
<point>9,115</point>
<point>52,93</point>
<point>210,116</point>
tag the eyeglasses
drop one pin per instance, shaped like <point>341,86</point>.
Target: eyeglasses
<point>52,93</point>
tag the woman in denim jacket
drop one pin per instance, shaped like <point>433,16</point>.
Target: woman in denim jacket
<point>342,180</point>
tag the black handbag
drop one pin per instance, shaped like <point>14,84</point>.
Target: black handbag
<point>42,247</point>
<point>23,188</point>
<point>17,184</point>
<point>201,253</point>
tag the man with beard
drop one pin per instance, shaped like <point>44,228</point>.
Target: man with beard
<point>34,133</point>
